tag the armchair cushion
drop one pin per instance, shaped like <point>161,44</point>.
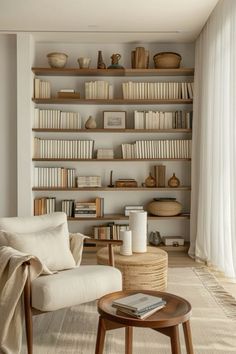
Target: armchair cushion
<point>74,286</point>
<point>50,246</point>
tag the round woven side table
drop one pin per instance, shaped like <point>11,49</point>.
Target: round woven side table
<point>146,271</point>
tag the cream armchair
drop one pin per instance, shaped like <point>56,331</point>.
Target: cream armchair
<point>65,288</point>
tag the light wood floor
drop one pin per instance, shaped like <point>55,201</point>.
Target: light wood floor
<point>175,259</point>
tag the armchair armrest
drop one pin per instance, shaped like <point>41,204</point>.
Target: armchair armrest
<point>109,243</point>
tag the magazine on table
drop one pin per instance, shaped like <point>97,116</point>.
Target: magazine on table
<point>138,302</point>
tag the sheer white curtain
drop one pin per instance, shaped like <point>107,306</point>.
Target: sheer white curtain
<point>213,204</point>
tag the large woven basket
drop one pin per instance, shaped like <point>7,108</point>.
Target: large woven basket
<point>167,60</point>
<point>164,208</point>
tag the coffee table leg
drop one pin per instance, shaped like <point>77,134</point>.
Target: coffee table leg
<point>100,336</point>
<point>188,337</point>
<point>128,340</point>
<point>174,337</point>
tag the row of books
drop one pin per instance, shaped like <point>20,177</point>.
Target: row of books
<point>56,119</point>
<point>99,89</point>
<point>130,208</point>
<point>110,231</point>
<point>42,88</point>
<point>44,205</point>
<point>68,149</point>
<point>54,177</point>
<point>163,120</point>
<point>157,149</point>
<point>67,206</point>
<point>92,209</point>
<point>157,90</point>
<point>139,305</point>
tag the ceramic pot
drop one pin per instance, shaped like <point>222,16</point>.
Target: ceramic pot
<point>150,181</point>
<point>173,182</point>
<point>90,123</point>
<point>57,60</point>
<point>84,62</point>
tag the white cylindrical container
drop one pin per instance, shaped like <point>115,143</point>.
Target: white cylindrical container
<point>126,247</point>
<point>138,226</point>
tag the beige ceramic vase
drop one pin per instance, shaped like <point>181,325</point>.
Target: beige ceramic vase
<point>90,123</point>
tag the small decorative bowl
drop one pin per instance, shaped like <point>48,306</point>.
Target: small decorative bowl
<point>84,62</point>
<point>167,60</point>
<point>57,60</point>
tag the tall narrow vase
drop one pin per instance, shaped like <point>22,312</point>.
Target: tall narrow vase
<point>138,226</point>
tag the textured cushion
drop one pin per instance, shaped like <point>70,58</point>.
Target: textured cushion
<point>33,223</point>
<point>74,286</point>
<point>50,246</point>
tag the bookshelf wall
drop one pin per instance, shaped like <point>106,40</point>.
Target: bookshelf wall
<point>114,198</point>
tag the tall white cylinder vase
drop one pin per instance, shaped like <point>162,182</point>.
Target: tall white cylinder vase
<point>126,247</point>
<point>138,226</point>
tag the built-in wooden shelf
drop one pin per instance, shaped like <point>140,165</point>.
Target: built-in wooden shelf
<point>123,217</point>
<point>112,72</point>
<point>108,160</point>
<point>116,101</point>
<point>113,189</point>
<point>53,130</point>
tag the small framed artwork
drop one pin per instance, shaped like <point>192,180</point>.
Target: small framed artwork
<point>114,119</point>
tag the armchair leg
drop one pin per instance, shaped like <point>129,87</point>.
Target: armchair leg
<point>28,315</point>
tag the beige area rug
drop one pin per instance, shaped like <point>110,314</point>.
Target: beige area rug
<point>213,322</point>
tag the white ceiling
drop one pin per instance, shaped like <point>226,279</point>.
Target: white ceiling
<point>107,20</point>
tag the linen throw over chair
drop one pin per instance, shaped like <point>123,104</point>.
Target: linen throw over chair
<point>72,284</point>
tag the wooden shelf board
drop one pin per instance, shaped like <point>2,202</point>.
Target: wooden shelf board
<point>123,217</point>
<point>92,247</point>
<point>108,160</point>
<point>183,248</point>
<point>117,101</point>
<point>53,130</point>
<point>115,189</point>
<point>112,72</point>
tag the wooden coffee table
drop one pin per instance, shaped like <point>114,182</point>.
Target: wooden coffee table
<point>166,321</point>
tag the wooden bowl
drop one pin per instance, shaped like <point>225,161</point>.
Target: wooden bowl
<point>57,60</point>
<point>167,60</point>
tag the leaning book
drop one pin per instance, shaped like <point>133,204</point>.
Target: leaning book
<point>138,302</point>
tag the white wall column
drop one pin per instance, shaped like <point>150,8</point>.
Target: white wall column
<point>24,126</point>
<point>8,171</point>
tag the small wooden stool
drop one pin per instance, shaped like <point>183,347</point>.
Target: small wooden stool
<point>141,270</point>
<point>166,321</point>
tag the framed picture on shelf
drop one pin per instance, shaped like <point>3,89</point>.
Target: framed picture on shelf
<point>114,119</point>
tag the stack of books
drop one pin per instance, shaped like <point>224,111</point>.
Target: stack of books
<point>130,208</point>
<point>105,154</point>
<point>85,210</point>
<point>139,305</point>
<point>89,181</point>
<point>90,209</point>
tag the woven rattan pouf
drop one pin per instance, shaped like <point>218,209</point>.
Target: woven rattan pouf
<point>141,270</point>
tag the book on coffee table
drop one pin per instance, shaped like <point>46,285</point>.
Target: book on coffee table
<point>138,303</point>
<point>142,314</point>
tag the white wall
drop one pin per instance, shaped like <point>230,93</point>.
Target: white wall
<point>8,123</point>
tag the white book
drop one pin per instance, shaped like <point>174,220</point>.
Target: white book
<point>138,302</point>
